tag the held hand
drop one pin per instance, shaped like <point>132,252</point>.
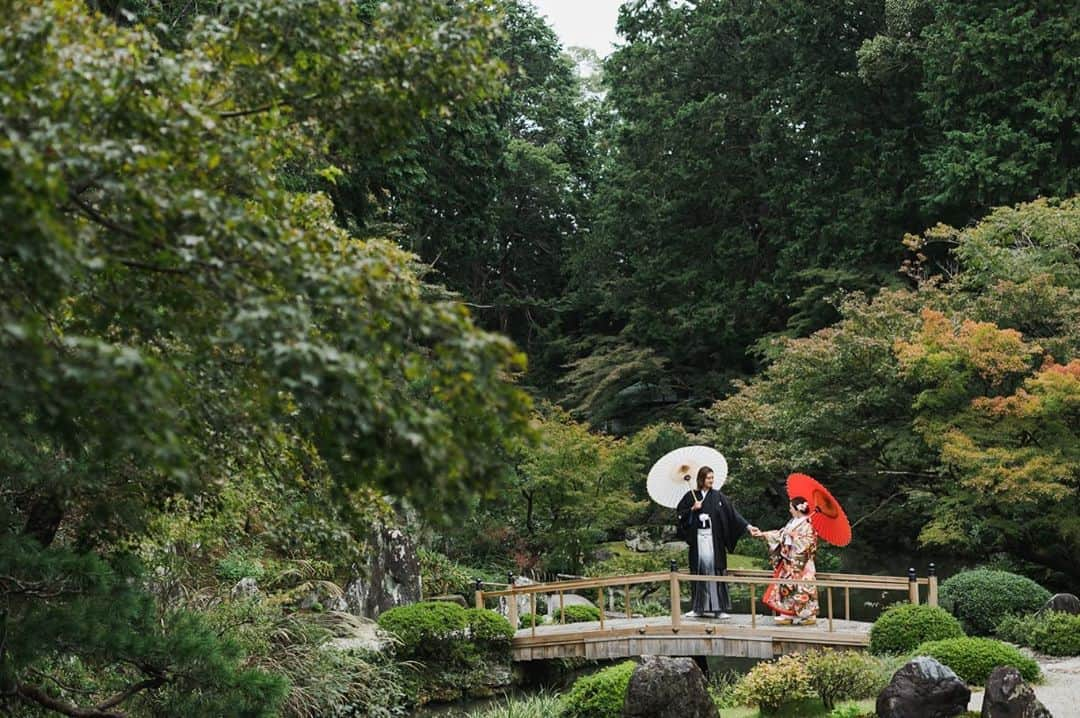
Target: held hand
<point>696,506</point>
<point>754,531</point>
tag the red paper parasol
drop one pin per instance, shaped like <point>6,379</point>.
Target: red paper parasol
<point>829,520</point>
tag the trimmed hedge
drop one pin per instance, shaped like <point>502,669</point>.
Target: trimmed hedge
<point>580,614</point>
<point>425,628</point>
<point>526,619</point>
<point>488,626</point>
<point>1052,633</point>
<point>600,695</point>
<point>983,597</point>
<point>904,626</point>
<point>973,659</point>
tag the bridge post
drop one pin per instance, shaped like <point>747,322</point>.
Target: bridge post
<point>676,599</point>
<point>931,586</point>
<point>913,587</point>
<point>479,593</point>
<point>511,608</point>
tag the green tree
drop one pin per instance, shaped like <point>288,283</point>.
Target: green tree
<point>918,409</point>
<point>765,159</point>
<point>170,313</point>
<point>492,197</point>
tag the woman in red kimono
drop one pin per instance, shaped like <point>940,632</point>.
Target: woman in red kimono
<point>792,550</point>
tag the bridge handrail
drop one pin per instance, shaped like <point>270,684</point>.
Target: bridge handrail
<point>751,577</point>
<point>741,576</point>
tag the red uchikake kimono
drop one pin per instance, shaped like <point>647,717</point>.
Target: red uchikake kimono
<point>792,550</point>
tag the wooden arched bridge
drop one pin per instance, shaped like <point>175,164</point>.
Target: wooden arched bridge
<point>750,635</point>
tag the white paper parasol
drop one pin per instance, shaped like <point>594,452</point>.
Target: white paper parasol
<point>676,473</point>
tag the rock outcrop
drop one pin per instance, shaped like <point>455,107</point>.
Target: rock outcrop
<point>923,688</point>
<point>663,687</point>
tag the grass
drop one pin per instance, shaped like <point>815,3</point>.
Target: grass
<point>540,705</point>
<point>809,708</point>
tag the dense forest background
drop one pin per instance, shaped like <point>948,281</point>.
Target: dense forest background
<point>275,274</point>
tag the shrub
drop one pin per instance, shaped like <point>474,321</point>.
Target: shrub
<point>772,684</point>
<point>981,598</point>
<point>439,575</point>
<point>600,695</point>
<point>239,564</point>
<point>844,675</point>
<point>850,712</point>
<point>1053,633</point>
<point>425,629</point>
<point>526,619</point>
<point>581,614</point>
<point>488,626</point>
<point>974,658</point>
<point>904,626</point>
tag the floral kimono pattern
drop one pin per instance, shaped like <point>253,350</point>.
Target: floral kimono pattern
<point>792,550</point>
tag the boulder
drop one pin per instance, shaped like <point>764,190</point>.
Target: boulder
<point>649,538</point>
<point>923,688</point>
<point>638,539</point>
<point>245,588</point>
<point>524,602</point>
<point>1063,602</point>
<point>1008,696</point>
<point>663,687</point>
<point>390,578</point>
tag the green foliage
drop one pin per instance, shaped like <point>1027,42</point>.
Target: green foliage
<point>771,684</point>
<point>542,705</point>
<point>579,614</point>
<point>850,711</point>
<point>488,626</point>
<point>439,575</point>
<point>973,658</point>
<point>458,648</point>
<point>495,194</point>
<point>239,564</point>
<point>981,598</point>
<point>904,626</point>
<point>426,629</point>
<point>525,620</point>
<point>600,695</point>
<point>175,321</point>
<point>844,675</point>
<point>58,597</point>
<point>323,678</point>
<point>971,375</point>
<point>1053,633</point>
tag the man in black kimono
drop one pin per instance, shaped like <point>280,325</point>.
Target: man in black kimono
<point>712,527</point>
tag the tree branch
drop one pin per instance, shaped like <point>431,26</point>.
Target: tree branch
<point>33,694</point>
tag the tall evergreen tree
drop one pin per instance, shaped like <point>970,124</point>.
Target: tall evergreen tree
<point>767,156</point>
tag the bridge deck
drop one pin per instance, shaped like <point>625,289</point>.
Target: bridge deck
<point>626,637</point>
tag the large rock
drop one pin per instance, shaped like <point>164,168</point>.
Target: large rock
<point>390,578</point>
<point>663,687</point>
<point>1063,602</point>
<point>923,688</point>
<point>648,538</point>
<point>524,601</point>
<point>1007,696</point>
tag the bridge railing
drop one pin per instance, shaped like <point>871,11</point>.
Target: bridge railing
<point>752,578</point>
